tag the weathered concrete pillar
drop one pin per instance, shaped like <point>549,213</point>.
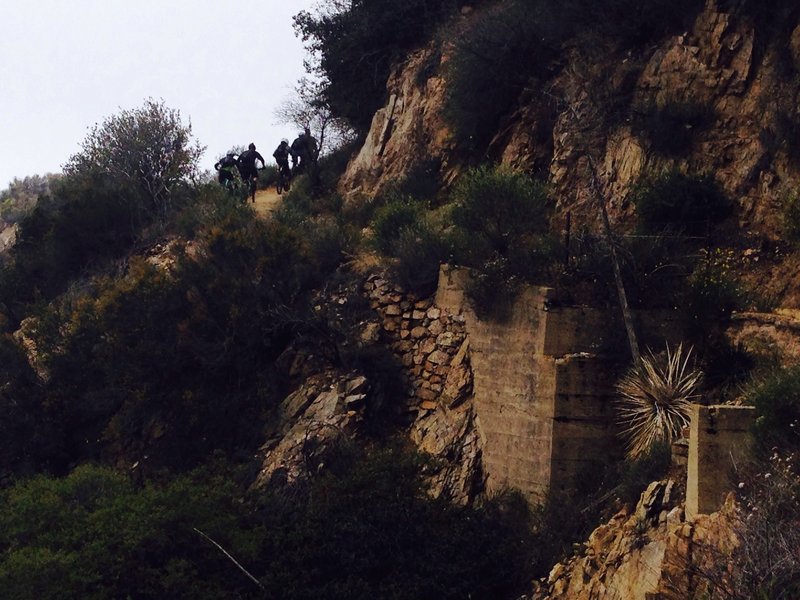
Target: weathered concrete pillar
<point>719,443</point>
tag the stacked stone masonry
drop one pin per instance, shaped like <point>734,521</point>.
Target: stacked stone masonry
<point>430,343</point>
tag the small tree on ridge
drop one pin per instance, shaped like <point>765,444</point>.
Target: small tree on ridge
<point>147,146</point>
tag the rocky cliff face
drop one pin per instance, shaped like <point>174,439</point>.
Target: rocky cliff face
<point>407,131</point>
<point>651,553</point>
<point>719,65</point>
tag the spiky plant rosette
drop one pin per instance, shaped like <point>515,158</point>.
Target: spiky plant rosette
<point>656,397</point>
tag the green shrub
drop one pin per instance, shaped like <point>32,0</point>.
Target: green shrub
<point>726,367</point>
<point>211,205</point>
<point>331,166</point>
<point>493,289</point>
<point>367,530</point>
<point>423,180</point>
<point>491,64</point>
<point>674,201</point>
<point>777,402</point>
<point>419,251</point>
<point>391,219</point>
<point>710,296</point>
<point>93,535</point>
<point>330,241</point>
<point>190,353</point>
<point>88,220</point>
<point>791,218</point>
<point>501,231</point>
<point>672,127</point>
<point>500,207</point>
<point>147,147</point>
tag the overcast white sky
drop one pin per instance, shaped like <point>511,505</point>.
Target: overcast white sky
<point>67,64</point>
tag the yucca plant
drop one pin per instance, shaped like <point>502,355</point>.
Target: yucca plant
<point>655,398</point>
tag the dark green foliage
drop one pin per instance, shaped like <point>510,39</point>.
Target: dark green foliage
<point>367,530</point>
<point>353,46</point>
<point>671,127</point>
<point>791,218</point>
<point>330,240</point>
<point>500,207</point>
<point>21,195</point>
<point>331,166</point>
<point>176,365</point>
<point>364,528</point>
<point>398,214</point>
<point>419,251</point>
<point>726,366</point>
<point>493,288</point>
<point>422,181</point>
<point>632,23</point>
<point>87,220</point>
<point>267,177</point>
<point>492,63</point>
<point>633,476</point>
<point>654,270</point>
<point>676,202</point>
<point>25,429</point>
<point>711,294</point>
<point>147,148</point>
<point>777,402</point>
<point>501,223</point>
<point>93,535</point>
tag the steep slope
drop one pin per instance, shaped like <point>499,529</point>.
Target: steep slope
<point>723,88</point>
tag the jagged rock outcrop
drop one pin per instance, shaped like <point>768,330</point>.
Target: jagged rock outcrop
<point>651,553</point>
<point>717,64</point>
<point>328,406</point>
<point>408,130</point>
<point>770,335</point>
<point>8,235</point>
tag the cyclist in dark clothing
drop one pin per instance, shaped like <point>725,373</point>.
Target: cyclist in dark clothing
<point>281,155</point>
<point>225,167</point>
<point>299,153</point>
<point>305,149</point>
<point>247,163</point>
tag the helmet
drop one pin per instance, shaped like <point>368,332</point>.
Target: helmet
<point>284,141</point>
<point>252,146</point>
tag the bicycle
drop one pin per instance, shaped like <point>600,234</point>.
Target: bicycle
<point>250,185</point>
<point>251,188</point>
<point>283,179</point>
<point>230,186</point>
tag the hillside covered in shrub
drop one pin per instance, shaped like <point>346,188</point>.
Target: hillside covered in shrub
<point>155,332</point>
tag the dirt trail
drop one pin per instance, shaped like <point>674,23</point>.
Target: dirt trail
<point>266,202</point>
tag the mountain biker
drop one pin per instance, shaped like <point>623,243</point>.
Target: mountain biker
<point>311,145</point>
<point>247,163</point>
<point>225,167</point>
<point>282,154</point>
<point>247,168</point>
<point>304,148</point>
